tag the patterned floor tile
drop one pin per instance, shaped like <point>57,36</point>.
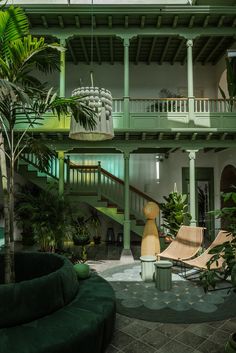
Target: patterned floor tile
<point>121,339</point>
<point>138,347</point>
<point>135,329</point>
<point>155,339</point>
<point>190,339</point>
<point>172,330</point>
<point>174,346</point>
<point>202,330</point>
<point>210,347</point>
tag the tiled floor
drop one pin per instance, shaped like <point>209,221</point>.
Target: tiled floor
<point>139,336</point>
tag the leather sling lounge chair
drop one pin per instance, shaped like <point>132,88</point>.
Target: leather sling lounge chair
<point>186,244</point>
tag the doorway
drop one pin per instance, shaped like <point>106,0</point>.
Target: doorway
<point>204,197</point>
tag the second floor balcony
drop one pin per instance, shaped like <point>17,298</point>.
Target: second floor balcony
<point>162,114</point>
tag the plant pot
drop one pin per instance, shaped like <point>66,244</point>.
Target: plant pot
<point>230,346</point>
<point>81,240</point>
<point>97,240</point>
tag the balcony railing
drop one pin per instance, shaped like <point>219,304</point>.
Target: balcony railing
<point>159,114</point>
<point>206,105</point>
<point>175,105</point>
<point>159,105</point>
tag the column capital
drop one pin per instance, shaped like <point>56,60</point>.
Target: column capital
<point>189,43</point>
<point>126,38</point>
<point>192,154</point>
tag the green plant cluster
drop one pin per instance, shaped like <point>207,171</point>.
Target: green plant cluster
<point>174,212</point>
<point>47,217</point>
<point>227,250</point>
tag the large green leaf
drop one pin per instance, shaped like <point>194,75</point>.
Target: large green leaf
<point>13,25</point>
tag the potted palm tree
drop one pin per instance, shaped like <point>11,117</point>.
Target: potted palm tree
<point>24,99</point>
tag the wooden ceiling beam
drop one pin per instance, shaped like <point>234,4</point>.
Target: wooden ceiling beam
<point>44,21</point>
<point>84,50</point>
<point>94,22</point>
<point>206,21</point>
<point>224,136</point>
<point>194,136</point>
<point>71,50</point>
<point>208,137</point>
<point>208,58</point>
<point>159,20</point>
<point>234,22</point>
<point>222,53</point>
<point>138,50</point>
<point>221,21</point>
<point>177,136</point>
<point>61,22</point>
<point>77,21</point>
<point>126,21</point>
<point>142,22</point>
<point>110,21</point>
<point>203,48</point>
<point>175,21</point>
<point>165,50</point>
<point>191,22</point>
<point>151,50</point>
<point>98,50</point>
<point>111,51</point>
<point>177,51</point>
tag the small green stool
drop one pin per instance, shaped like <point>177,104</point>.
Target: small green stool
<point>147,268</point>
<point>163,275</point>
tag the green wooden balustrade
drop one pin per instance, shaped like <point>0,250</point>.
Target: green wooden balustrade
<point>159,114</point>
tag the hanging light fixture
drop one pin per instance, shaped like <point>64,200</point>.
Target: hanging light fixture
<point>100,100</point>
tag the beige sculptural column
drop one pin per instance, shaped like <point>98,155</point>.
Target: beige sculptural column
<point>150,242</point>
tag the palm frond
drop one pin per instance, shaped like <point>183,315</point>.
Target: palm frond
<point>42,152</point>
<point>13,25</point>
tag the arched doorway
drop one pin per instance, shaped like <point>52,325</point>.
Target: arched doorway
<point>227,184</point>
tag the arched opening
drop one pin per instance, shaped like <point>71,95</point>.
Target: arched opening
<point>227,184</point>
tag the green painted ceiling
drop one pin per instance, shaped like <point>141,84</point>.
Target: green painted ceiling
<point>144,48</point>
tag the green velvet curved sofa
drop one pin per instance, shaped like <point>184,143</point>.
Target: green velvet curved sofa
<point>80,318</point>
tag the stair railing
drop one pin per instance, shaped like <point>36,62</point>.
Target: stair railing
<point>94,178</point>
<point>53,168</point>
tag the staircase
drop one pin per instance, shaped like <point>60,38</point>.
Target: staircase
<point>92,185</point>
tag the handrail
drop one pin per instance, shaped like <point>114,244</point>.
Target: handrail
<point>113,177</point>
<point>120,181</point>
<point>159,99</point>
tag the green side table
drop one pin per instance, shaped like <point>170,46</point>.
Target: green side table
<point>163,275</point>
<point>147,268</point>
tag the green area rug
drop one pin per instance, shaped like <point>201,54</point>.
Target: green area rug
<point>186,302</point>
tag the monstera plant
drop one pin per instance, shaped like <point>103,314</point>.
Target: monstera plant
<point>174,212</point>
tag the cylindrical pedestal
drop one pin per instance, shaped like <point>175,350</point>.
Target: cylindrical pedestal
<point>163,275</point>
<point>147,268</point>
